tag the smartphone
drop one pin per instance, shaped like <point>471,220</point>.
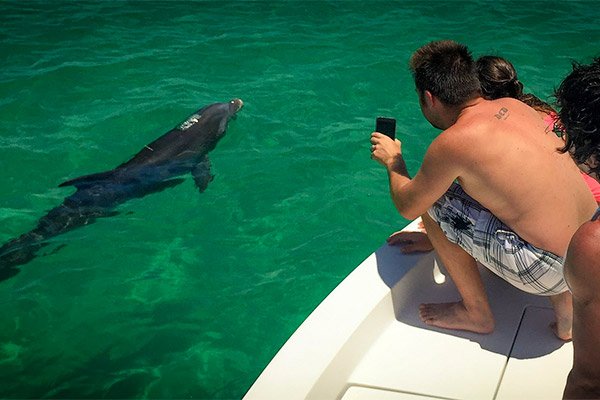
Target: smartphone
<point>387,126</point>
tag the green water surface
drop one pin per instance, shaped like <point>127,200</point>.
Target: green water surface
<point>188,295</point>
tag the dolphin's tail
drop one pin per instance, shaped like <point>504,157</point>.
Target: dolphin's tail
<point>59,220</point>
<point>20,251</point>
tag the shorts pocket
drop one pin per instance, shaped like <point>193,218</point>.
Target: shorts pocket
<point>510,242</point>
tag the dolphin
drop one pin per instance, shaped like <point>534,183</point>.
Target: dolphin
<point>156,167</point>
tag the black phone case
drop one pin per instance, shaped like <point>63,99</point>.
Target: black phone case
<point>387,126</point>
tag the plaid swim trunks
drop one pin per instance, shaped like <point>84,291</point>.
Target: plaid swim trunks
<point>471,226</point>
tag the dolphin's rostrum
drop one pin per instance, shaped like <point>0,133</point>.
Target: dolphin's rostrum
<point>159,165</point>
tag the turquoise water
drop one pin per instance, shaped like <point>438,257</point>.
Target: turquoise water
<point>187,295</point>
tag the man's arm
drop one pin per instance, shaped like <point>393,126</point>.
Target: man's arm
<point>440,167</point>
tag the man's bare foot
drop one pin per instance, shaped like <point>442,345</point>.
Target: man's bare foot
<point>456,316</point>
<point>410,242</point>
<point>563,309</point>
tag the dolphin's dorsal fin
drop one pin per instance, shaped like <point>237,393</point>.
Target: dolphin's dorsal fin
<point>87,180</point>
<point>201,174</point>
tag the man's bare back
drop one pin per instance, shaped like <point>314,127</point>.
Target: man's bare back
<point>501,142</point>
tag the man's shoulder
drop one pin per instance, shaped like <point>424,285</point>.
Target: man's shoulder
<point>588,235</point>
<point>499,109</point>
<point>480,121</point>
<point>470,128</point>
<point>582,258</point>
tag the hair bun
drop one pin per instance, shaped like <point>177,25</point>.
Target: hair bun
<point>514,88</point>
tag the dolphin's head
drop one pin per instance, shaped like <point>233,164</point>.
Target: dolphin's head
<point>222,110</point>
<point>209,123</point>
<point>235,105</point>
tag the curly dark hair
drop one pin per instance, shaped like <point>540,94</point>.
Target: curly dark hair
<point>578,97</point>
<point>446,69</point>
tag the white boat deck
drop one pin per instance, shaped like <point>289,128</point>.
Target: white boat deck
<point>365,341</point>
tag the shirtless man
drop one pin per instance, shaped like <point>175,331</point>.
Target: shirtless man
<point>579,99</point>
<point>492,188</point>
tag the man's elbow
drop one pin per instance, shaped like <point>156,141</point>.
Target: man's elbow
<point>408,212</point>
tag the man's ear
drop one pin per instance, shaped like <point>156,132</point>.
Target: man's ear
<point>429,98</point>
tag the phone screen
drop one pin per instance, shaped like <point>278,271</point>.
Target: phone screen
<point>387,126</point>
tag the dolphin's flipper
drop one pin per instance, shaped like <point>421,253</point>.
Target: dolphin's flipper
<point>202,175</point>
<point>159,186</point>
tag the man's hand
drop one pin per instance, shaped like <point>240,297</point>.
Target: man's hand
<point>385,150</point>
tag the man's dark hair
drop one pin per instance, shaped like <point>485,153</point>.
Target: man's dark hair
<point>578,97</point>
<point>446,69</point>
